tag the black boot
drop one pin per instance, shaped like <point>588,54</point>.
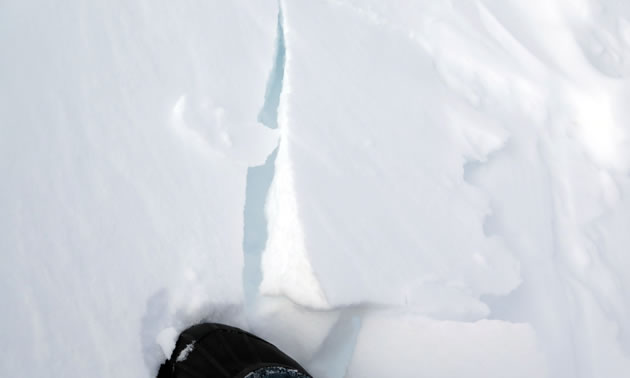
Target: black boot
<point>212,350</point>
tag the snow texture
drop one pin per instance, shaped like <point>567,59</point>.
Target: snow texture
<point>380,188</point>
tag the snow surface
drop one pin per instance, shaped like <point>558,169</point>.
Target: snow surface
<point>381,188</point>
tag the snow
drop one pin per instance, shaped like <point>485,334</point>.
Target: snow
<point>273,372</point>
<point>430,348</point>
<point>167,340</point>
<point>124,149</point>
<point>331,176</point>
<point>183,355</point>
<point>409,188</point>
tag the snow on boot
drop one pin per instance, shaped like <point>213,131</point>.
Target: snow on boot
<point>217,350</point>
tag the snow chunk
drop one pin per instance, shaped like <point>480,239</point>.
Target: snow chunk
<point>183,355</point>
<point>369,202</point>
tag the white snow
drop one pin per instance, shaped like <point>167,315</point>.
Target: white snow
<point>183,355</point>
<point>430,348</point>
<point>167,339</point>
<point>380,188</point>
<point>126,132</point>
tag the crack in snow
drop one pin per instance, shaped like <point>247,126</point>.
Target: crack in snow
<point>259,178</point>
<point>268,115</point>
<point>342,338</point>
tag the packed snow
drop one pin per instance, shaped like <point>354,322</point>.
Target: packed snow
<point>380,188</point>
